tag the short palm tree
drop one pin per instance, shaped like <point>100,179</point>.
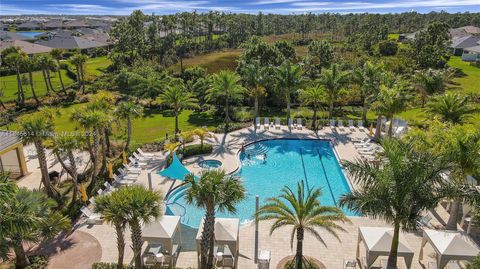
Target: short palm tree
<point>225,86</point>
<point>213,191</point>
<point>253,79</point>
<point>368,78</point>
<point>141,206</point>
<point>28,217</point>
<point>390,102</point>
<point>303,212</point>
<point>36,129</point>
<point>429,82</point>
<point>112,208</point>
<point>57,54</point>
<point>313,96</point>
<point>202,133</point>
<point>451,107</point>
<point>333,80</point>
<point>289,79</point>
<point>404,185</point>
<point>178,98</point>
<point>128,111</point>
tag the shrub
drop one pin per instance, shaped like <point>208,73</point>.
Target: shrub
<point>106,265</point>
<point>36,262</point>
<point>232,126</point>
<point>243,115</point>
<point>71,94</point>
<point>196,149</point>
<point>387,48</point>
<point>306,264</point>
<point>303,112</point>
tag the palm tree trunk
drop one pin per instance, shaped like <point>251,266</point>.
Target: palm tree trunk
<point>50,81</point>
<point>208,238</point>
<point>78,77</point>
<point>82,74</point>
<point>104,150</point>
<point>227,117</point>
<point>107,141</point>
<point>95,151</point>
<point>364,111</point>
<point>72,171</point>
<point>30,76</point>
<point>21,257</point>
<point>452,220</point>
<point>129,133</point>
<point>378,129</point>
<point>120,232</point>
<point>299,252</point>
<point>176,123</point>
<point>392,258</point>
<point>330,110</point>
<point>3,105</point>
<point>21,95</point>
<point>314,123</point>
<point>46,82</point>
<point>390,127</point>
<point>137,243</point>
<point>42,161</point>
<point>60,76</point>
<point>256,107</point>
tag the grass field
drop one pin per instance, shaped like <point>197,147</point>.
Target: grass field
<point>470,83</point>
<point>95,67</point>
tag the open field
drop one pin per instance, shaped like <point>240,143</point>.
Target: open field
<point>95,67</point>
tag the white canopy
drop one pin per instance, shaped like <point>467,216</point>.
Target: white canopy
<point>163,231</point>
<point>449,245</point>
<point>226,233</point>
<point>378,241</point>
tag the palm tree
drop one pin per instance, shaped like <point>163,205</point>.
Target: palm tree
<point>36,129</point>
<point>28,217</point>
<point>405,184</point>
<point>57,54</point>
<point>31,65</point>
<point>289,79</point>
<point>15,59</point>
<point>301,210</point>
<point>451,108</point>
<point>112,208</point>
<point>391,101</point>
<point>429,82</point>
<point>79,60</point>
<point>333,80</point>
<point>178,98</point>
<point>47,64</point>
<point>213,191</point>
<point>140,206</point>
<point>127,111</point>
<point>64,147</point>
<point>225,86</point>
<point>314,97</point>
<point>253,79</point>
<point>368,78</point>
<point>202,133</point>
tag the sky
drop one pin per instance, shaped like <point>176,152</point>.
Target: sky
<point>125,7</point>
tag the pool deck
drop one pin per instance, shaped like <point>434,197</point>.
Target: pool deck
<point>225,149</point>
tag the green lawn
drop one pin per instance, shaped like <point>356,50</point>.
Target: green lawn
<point>470,83</point>
<point>95,67</point>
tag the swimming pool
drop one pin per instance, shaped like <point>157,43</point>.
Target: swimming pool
<point>266,167</point>
<point>210,164</point>
<point>31,34</point>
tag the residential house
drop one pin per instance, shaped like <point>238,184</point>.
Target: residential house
<point>12,158</point>
<point>27,47</point>
<point>68,41</point>
<point>29,25</point>
<point>74,24</point>
<point>53,24</point>
<point>459,44</point>
<point>5,35</point>
<point>471,54</point>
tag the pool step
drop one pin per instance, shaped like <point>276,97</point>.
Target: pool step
<point>256,150</point>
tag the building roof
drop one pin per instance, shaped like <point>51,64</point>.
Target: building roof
<point>8,139</point>
<point>29,25</point>
<point>470,29</point>
<point>54,24</point>
<point>465,42</point>
<point>70,42</point>
<point>475,49</point>
<point>5,35</point>
<point>27,47</point>
<point>75,23</point>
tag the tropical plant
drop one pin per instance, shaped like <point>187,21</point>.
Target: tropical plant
<point>79,60</point>
<point>288,80</point>
<point>57,54</point>
<point>390,101</point>
<point>46,63</point>
<point>253,79</point>
<point>333,80</point>
<point>429,82</point>
<point>225,86</point>
<point>31,65</point>
<point>301,209</point>
<point>368,78</point>
<point>313,96</point>
<point>398,190</point>
<point>320,55</point>
<point>451,107</point>
<point>202,133</point>
<point>213,191</point>
<point>128,111</point>
<point>36,129</point>
<point>178,98</point>
<point>27,217</point>
<point>15,59</point>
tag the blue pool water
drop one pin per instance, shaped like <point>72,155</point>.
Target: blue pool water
<point>287,162</point>
<point>30,34</point>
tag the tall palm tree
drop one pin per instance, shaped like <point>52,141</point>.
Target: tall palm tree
<point>79,60</point>
<point>405,184</point>
<point>15,59</point>
<point>31,65</point>
<point>57,54</point>
<point>46,63</point>
<point>225,85</point>
<point>289,79</point>
<point>313,96</point>
<point>368,78</point>
<point>391,101</point>
<point>141,206</point>
<point>112,208</point>
<point>333,80</point>
<point>178,98</point>
<point>429,82</point>
<point>301,210</point>
<point>28,217</point>
<point>253,79</point>
<point>127,111</point>
<point>36,129</point>
<point>451,108</point>
<point>213,191</point>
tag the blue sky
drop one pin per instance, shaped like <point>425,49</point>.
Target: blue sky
<point>125,7</point>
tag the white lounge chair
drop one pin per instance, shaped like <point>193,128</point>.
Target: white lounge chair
<point>257,122</point>
<point>92,200</point>
<point>362,145</point>
<point>142,158</point>
<point>132,169</point>
<point>277,123</point>
<point>99,192</point>
<point>137,162</point>
<point>360,125</point>
<point>349,264</point>
<point>299,124</point>
<point>108,187</point>
<point>290,123</point>
<point>340,124</point>
<point>360,140</point>
<point>264,259</point>
<point>368,148</point>
<point>351,125</point>
<point>123,181</point>
<point>145,154</point>
<point>266,123</point>
<point>92,218</point>
<point>125,175</point>
<point>332,123</point>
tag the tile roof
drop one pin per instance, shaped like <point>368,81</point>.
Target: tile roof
<point>8,139</point>
<point>70,42</point>
<point>5,35</point>
<point>27,47</point>
<point>465,42</point>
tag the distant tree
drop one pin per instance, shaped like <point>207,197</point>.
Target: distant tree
<point>57,54</point>
<point>387,47</point>
<point>15,59</point>
<point>258,50</point>
<point>320,55</point>
<point>391,101</point>
<point>128,111</point>
<point>79,60</point>
<point>313,96</point>
<point>430,46</point>
<point>429,82</point>
<point>369,79</point>
<point>288,81</point>
<point>333,80</point>
<point>286,49</point>
<point>451,107</point>
<point>253,77</point>
<point>31,65</point>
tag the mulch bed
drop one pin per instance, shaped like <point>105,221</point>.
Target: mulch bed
<point>283,262</point>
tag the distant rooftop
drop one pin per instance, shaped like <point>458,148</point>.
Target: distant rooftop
<point>27,47</point>
<point>8,139</point>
